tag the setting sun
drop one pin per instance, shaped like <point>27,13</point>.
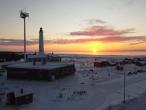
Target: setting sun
<point>81,31</point>
<point>94,51</point>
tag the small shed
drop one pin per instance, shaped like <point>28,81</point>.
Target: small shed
<point>15,98</point>
<point>102,64</point>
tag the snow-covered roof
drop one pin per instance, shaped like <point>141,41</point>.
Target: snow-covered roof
<point>49,65</point>
<point>9,63</point>
<point>37,56</point>
<point>18,91</point>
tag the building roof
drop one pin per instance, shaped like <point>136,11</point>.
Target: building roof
<point>39,65</point>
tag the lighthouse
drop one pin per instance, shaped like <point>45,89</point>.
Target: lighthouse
<point>41,42</point>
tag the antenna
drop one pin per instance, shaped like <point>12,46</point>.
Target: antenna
<point>24,15</point>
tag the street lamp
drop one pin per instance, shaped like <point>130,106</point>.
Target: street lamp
<point>23,15</point>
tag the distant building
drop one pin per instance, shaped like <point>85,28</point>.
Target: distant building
<point>48,58</point>
<point>40,66</point>
<point>103,64</point>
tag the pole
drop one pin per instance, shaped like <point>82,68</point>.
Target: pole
<point>124,101</point>
<point>23,15</point>
<point>24,41</point>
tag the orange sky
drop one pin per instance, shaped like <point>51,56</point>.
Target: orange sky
<point>76,26</point>
<point>93,48</point>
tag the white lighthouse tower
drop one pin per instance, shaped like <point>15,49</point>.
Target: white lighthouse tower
<point>41,43</point>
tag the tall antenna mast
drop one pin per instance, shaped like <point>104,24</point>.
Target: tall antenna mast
<point>24,15</point>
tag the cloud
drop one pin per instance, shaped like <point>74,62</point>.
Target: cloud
<point>130,2</point>
<point>122,39</point>
<point>95,21</point>
<point>103,40</point>
<point>136,43</point>
<point>19,42</point>
<point>128,50</point>
<point>101,31</point>
<point>97,27</point>
<point>16,42</point>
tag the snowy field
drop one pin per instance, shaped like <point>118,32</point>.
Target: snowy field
<point>88,89</point>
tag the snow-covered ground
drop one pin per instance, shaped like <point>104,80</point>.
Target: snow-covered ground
<point>89,89</point>
<point>137,103</point>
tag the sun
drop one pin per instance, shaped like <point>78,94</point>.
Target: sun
<point>94,51</point>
